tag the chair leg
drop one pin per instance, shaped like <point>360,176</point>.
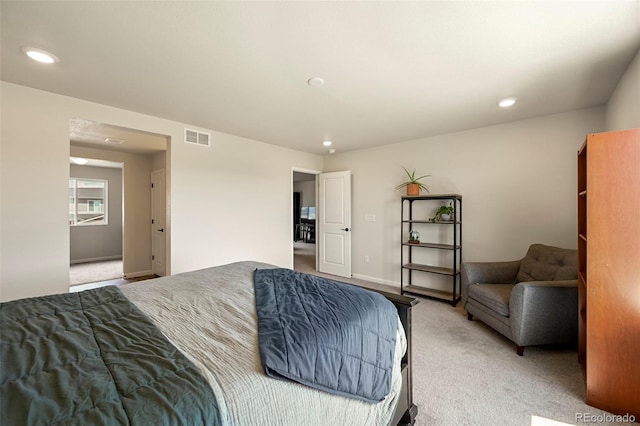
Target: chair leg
<point>469,316</point>
<point>520,350</point>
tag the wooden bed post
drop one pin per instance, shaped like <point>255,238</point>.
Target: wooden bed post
<point>406,411</point>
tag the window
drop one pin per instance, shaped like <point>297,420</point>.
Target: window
<point>87,202</point>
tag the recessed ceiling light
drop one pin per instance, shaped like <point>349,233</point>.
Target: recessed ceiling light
<point>507,102</point>
<point>327,143</point>
<point>40,55</point>
<point>80,161</point>
<point>315,82</point>
<point>113,141</point>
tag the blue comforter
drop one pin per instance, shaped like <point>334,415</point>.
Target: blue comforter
<point>328,335</point>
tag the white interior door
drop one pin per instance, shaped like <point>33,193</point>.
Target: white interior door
<point>158,225</point>
<point>334,223</point>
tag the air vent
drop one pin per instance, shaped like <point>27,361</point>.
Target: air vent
<point>197,138</point>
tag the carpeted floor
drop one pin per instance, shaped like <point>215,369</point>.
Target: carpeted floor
<point>304,257</point>
<point>81,273</point>
<point>467,374</point>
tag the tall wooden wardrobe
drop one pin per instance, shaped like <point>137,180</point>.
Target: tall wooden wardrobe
<point>609,269</point>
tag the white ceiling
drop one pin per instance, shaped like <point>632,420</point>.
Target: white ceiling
<point>104,136</point>
<point>394,71</point>
<point>92,162</point>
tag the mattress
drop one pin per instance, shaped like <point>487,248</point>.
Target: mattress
<point>210,316</point>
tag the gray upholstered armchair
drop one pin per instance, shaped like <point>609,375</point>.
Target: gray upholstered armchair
<point>532,301</point>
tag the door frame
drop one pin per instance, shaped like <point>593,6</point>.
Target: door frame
<point>291,218</point>
<point>163,215</point>
<point>112,165</point>
<point>166,164</point>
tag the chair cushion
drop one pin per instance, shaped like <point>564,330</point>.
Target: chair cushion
<point>493,296</point>
<point>547,263</point>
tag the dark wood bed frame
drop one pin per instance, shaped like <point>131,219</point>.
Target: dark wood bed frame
<point>406,411</point>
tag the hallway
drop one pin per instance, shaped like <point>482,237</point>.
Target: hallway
<point>304,257</point>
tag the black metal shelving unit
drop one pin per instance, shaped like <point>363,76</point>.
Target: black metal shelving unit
<point>410,268</point>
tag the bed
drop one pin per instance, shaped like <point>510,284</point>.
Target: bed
<point>204,325</point>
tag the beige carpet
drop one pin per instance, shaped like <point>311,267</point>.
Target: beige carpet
<point>467,374</point>
<point>304,257</point>
<point>81,273</point>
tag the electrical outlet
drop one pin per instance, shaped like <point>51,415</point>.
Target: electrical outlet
<point>366,259</point>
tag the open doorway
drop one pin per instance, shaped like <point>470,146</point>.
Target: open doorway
<point>95,220</point>
<point>139,154</point>
<point>304,221</point>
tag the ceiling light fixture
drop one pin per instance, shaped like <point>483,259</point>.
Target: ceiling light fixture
<point>79,161</point>
<point>315,82</point>
<point>507,102</point>
<point>113,141</point>
<point>40,55</point>
<point>327,143</point>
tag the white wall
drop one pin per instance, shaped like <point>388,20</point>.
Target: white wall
<point>104,241</point>
<point>159,161</point>
<point>228,202</point>
<point>307,190</point>
<point>518,182</point>
<point>233,201</point>
<point>623,108</point>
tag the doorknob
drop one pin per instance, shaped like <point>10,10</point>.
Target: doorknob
<point>345,229</point>
<point>161,230</point>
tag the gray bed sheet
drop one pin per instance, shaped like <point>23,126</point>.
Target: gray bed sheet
<point>210,316</point>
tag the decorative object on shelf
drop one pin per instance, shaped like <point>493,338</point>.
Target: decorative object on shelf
<point>413,184</point>
<point>414,237</point>
<point>443,214</point>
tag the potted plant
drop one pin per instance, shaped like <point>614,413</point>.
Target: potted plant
<point>443,214</point>
<point>413,184</point>
<point>414,237</point>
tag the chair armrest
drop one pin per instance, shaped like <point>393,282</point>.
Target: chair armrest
<point>488,273</point>
<point>544,312</point>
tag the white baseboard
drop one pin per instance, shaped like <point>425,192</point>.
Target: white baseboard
<point>376,280</point>
<point>137,274</point>
<point>96,259</point>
